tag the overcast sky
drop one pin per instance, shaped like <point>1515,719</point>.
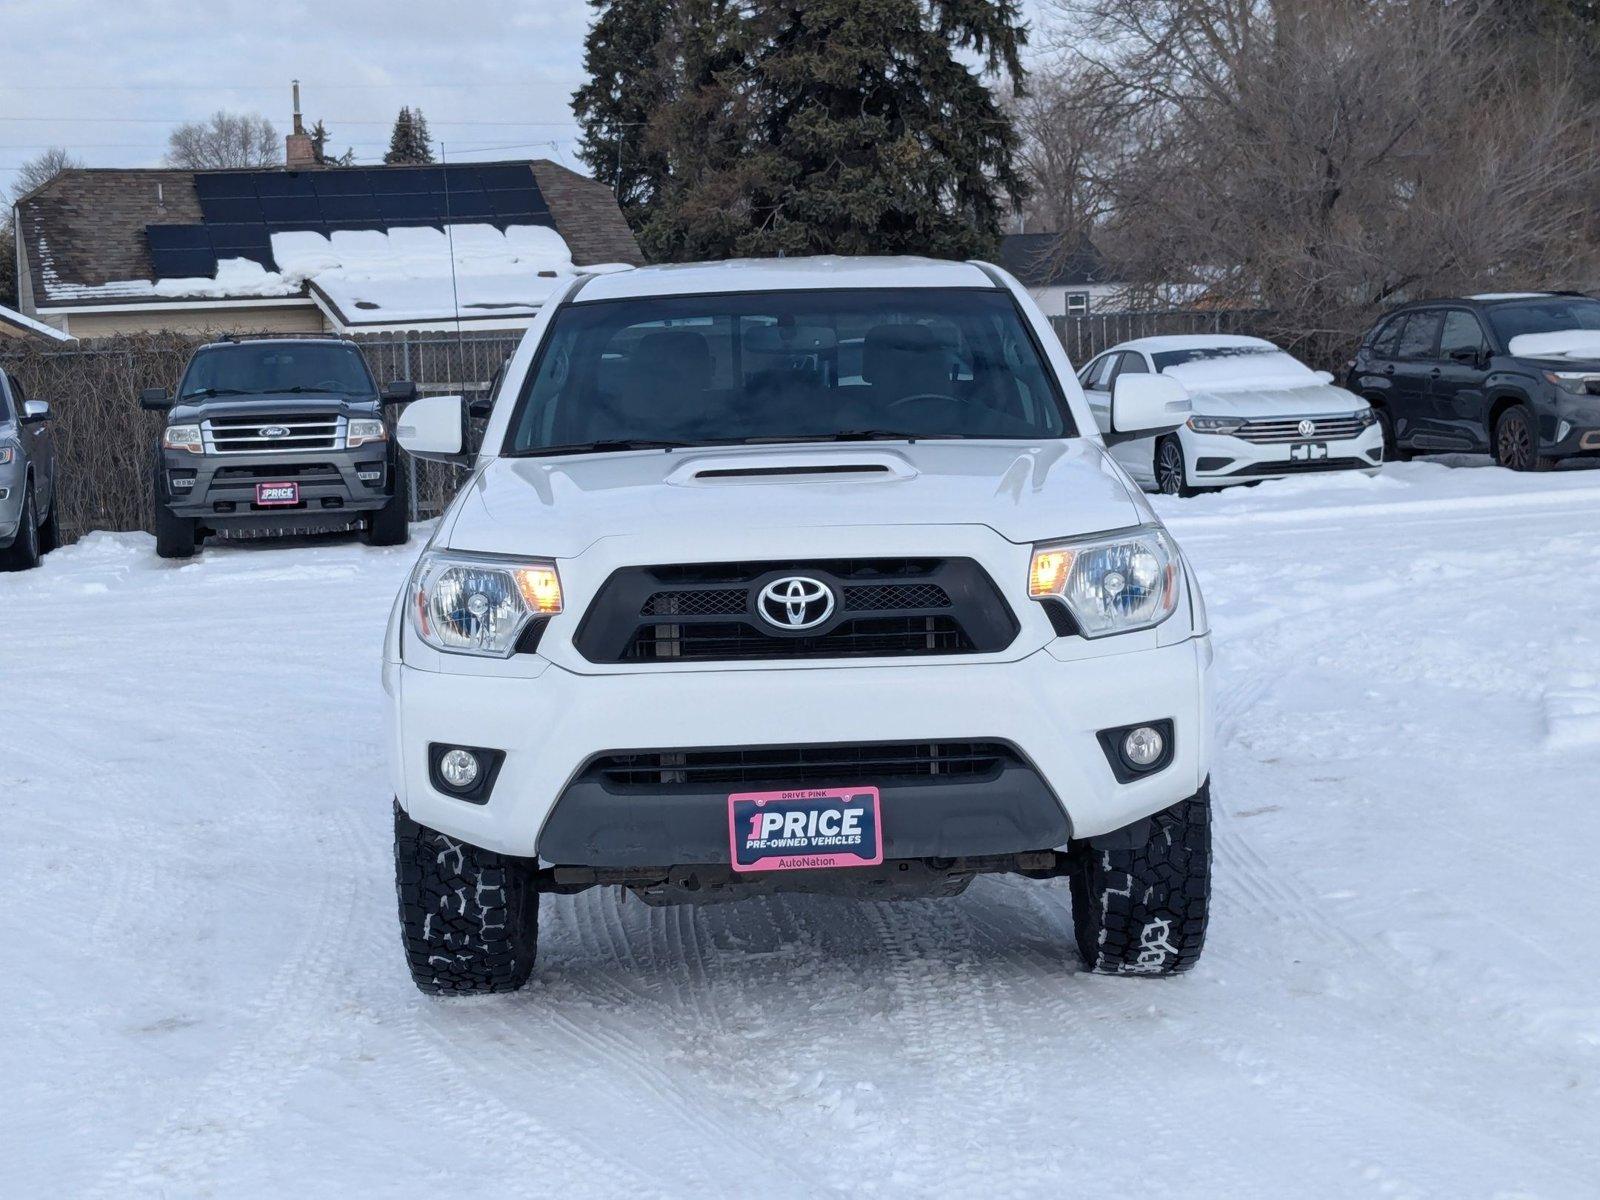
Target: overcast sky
<point>109,78</point>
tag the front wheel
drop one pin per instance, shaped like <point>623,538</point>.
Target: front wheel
<point>1392,450</point>
<point>389,525</point>
<point>1172,473</point>
<point>1140,908</point>
<point>176,537</point>
<point>1516,441</point>
<point>23,553</point>
<point>469,918</point>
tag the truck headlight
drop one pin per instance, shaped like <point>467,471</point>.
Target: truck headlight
<point>480,603</point>
<point>183,437</point>
<point>1215,424</point>
<point>7,454</point>
<point>362,431</point>
<point>1112,584</point>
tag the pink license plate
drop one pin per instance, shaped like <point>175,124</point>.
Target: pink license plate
<point>271,494</point>
<point>805,829</point>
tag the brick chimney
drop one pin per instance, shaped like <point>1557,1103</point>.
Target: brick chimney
<point>298,153</point>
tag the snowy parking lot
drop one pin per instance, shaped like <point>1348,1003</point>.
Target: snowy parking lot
<point>205,994</point>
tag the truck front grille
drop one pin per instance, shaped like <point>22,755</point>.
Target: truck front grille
<point>812,765</point>
<point>883,608</point>
<point>258,435</point>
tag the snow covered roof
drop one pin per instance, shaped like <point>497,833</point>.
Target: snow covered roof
<point>774,274</point>
<point>1191,341</point>
<point>106,238</point>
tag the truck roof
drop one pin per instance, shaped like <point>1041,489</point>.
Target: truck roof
<point>784,274</point>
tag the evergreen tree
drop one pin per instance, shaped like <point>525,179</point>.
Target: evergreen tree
<point>409,142</point>
<point>764,127</point>
<point>319,149</point>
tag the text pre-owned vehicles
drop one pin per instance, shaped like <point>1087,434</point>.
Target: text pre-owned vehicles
<point>1516,374</point>
<point>714,617</point>
<point>276,435</point>
<point>27,478</point>
<point>1257,413</point>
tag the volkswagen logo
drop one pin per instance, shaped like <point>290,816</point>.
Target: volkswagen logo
<point>795,602</point>
<point>1307,428</point>
<point>272,431</point>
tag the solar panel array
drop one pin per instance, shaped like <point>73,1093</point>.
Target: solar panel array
<point>242,209</point>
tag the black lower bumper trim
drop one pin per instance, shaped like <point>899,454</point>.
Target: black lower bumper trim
<point>1009,811</point>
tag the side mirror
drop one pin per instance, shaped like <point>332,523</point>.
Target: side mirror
<point>155,400</point>
<point>435,428</point>
<point>1323,376</point>
<point>481,407</point>
<point>1143,404</point>
<point>34,411</point>
<point>1470,355</point>
<point>401,391</point>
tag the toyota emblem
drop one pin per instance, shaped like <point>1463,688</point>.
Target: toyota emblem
<point>795,602</point>
<point>272,431</point>
<point>1307,428</point>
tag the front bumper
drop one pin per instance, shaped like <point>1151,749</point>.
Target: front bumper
<point>220,489</point>
<point>13,478</point>
<point>1214,459</point>
<point>1050,705</point>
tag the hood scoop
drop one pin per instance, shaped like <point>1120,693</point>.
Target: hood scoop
<point>792,467</point>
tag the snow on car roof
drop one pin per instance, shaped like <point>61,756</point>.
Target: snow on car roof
<point>1191,341</point>
<point>783,274</point>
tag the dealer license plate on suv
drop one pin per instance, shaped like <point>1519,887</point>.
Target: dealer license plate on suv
<point>277,493</point>
<point>805,829</point>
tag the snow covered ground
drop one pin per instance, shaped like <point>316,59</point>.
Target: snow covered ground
<point>203,994</point>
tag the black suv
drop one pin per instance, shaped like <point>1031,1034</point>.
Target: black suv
<point>279,435</point>
<point>1514,374</point>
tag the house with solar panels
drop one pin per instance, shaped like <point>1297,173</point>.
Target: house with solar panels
<point>102,252</point>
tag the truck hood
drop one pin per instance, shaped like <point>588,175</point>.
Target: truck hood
<point>267,404</point>
<point>1024,491</point>
<point>1311,400</point>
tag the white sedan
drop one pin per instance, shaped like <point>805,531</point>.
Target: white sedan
<point>1258,413</point>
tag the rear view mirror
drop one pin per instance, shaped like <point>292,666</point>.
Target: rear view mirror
<point>34,411</point>
<point>155,400</point>
<point>401,391</point>
<point>434,428</point>
<point>1142,405</point>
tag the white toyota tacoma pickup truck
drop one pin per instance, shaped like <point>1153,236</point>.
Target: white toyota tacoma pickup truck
<point>796,575</point>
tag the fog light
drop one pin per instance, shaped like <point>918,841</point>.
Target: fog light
<point>460,768</point>
<point>1143,746</point>
<point>369,476</point>
<point>182,483</point>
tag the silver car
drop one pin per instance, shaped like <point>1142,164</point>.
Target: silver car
<point>27,478</point>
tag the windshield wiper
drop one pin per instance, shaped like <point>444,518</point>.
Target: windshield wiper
<point>218,392</point>
<point>854,435</point>
<point>602,447</point>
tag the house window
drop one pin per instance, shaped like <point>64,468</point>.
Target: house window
<point>1077,304</point>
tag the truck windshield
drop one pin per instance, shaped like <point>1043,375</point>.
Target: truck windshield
<point>251,369</point>
<point>1557,314</point>
<point>787,366</point>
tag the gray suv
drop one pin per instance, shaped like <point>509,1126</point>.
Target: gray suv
<point>276,435</point>
<point>27,478</point>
